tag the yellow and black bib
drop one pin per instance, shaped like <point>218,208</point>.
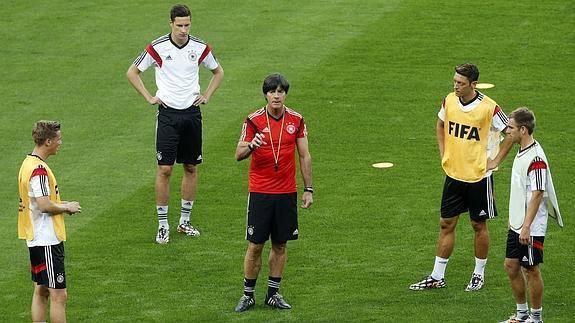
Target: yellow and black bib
<point>466,138</point>
<point>25,225</point>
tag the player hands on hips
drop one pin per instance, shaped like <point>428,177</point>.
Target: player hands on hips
<point>176,58</point>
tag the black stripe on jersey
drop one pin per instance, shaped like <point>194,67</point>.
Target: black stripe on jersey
<point>502,116</point>
<point>44,184</point>
<point>197,40</point>
<point>253,125</point>
<point>140,58</point>
<point>480,96</point>
<point>538,174</point>
<point>161,40</point>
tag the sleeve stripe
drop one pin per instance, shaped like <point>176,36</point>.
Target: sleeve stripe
<point>537,172</point>
<point>207,50</point>
<point>243,135</point>
<point>140,58</point>
<point>150,49</point>
<point>44,185</point>
<point>499,113</point>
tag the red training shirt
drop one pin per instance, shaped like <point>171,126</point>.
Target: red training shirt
<point>263,176</point>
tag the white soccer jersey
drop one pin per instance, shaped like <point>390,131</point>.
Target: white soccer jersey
<point>177,68</point>
<point>531,173</point>
<point>44,234</point>
<point>498,123</point>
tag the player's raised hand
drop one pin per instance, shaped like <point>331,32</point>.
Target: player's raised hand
<point>258,140</point>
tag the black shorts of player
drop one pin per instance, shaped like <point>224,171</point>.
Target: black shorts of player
<point>47,265</point>
<point>528,255</point>
<point>460,197</point>
<point>272,215</point>
<point>179,136</point>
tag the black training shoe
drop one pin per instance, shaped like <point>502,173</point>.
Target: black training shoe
<point>246,303</point>
<point>277,301</point>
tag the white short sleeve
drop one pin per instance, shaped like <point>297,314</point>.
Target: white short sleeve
<point>39,186</point>
<point>144,61</point>
<point>499,120</point>
<point>210,62</point>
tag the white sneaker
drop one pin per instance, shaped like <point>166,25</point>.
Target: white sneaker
<point>475,283</point>
<point>517,319</point>
<point>163,235</point>
<point>188,229</point>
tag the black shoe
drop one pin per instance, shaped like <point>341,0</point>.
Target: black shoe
<point>277,301</point>
<point>246,303</point>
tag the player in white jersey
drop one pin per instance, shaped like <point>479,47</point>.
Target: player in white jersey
<point>41,223</point>
<point>176,58</point>
<point>532,199</point>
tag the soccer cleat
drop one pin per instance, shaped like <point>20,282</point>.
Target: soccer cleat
<point>517,319</point>
<point>475,283</point>
<point>246,303</point>
<point>428,283</point>
<point>187,229</point>
<point>277,301</point>
<point>163,236</point>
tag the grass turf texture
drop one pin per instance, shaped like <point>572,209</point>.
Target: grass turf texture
<point>367,77</point>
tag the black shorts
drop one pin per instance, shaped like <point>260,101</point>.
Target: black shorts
<point>528,255</point>
<point>272,215</point>
<point>460,197</point>
<point>47,265</point>
<point>179,136</point>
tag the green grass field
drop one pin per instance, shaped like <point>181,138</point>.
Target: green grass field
<point>368,76</point>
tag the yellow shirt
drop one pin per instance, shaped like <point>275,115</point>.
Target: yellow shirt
<point>32,223</point>
<point>466,138</point>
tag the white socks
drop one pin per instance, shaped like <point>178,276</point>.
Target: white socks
<point>536,314</point>
<point>439,268</point>
<point>479,266</point>
<point>162,211</point>
<point>441,263</point>
<point>186,211</point>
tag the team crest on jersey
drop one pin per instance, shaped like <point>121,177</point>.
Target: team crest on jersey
<point>290,128</point>
<point>192,56</point>
<point>159,155</point>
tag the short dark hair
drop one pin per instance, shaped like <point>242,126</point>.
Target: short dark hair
<point>468,70</point>
<point>179,10</point>
<point>524,118</point>
<point>274,81</point>
<point>44,130</point>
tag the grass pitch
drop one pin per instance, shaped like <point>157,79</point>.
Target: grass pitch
<point>367,76</point>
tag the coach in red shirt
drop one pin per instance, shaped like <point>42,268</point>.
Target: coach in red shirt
<point>271,136</point>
